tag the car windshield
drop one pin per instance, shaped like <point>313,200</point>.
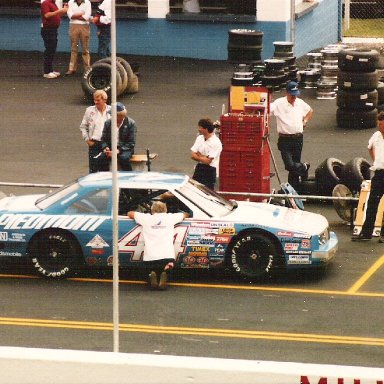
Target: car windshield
<point>55,196</point>
<point>205,199</point>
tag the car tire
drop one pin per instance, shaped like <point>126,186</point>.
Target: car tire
<point>356,119</point>
<point>361,100</point>
<point>355,172</point>
<point>357,80</point>
<point>357,59</point>
<point>308,187</point>
<point>253,255</point>
<point>55,254</point>
<point>99,77</point>
<point>328,174</point>
<point>122,72</point>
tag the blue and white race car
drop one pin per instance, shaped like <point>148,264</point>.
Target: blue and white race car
<point>72,226</point>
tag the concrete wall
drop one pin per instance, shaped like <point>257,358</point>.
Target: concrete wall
<point>204,40</point>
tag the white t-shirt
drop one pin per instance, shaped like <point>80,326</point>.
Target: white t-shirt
<point>289,118</point>
<point>211,148</point>
<point>377,143</point>
<point>158,232</point>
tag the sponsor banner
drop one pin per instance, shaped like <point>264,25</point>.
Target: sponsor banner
<point>291,246</point>
<point>97,242</point>
<point>37,221</point>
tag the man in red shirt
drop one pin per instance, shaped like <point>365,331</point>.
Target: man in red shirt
<point>51,18</point>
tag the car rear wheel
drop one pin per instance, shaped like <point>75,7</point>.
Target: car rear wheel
<point>55,254</point>
<point>253,255</point>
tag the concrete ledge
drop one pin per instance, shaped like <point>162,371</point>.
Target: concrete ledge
<point>47,366</point>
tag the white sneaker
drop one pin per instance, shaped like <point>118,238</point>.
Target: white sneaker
<point>50,75</point>
<point>56,73</point>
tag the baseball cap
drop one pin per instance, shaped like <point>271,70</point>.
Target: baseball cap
<point>120,107</point>
<point>293,88</point>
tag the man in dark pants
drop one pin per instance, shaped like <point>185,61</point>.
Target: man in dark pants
<point>51,18</point>
<point>292,115</point>
<point>376,151</point>
<point>126,138</point>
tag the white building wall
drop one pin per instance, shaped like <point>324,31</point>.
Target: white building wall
<point>273,10</point>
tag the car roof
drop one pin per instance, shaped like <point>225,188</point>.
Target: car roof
<point>150,180</point>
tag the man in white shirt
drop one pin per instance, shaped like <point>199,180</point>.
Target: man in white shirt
<point>158,232</point>
<point>79,13</point>
<point>206,152</point>
<point>376,151</point>
<point>292,115</point>
<point>91,129</point>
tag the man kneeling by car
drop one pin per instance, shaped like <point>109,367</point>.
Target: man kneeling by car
<point>158,232</point>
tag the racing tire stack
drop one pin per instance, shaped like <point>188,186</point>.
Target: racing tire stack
<point>99,77</point>
<point>358,80</point>
<point>244,46</point>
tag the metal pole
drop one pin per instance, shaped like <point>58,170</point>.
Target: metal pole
<point>347,14</point>
<point>115,194</point>
<point>293,21</point>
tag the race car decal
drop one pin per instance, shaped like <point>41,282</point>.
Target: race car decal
<point>132,242</point>
<point>298,259</point>
<point>97,242</point>
<point>33,221</point>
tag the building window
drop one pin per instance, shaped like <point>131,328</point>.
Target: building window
<point>227,7</point>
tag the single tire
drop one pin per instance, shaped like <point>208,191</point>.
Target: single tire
<point>122,72</point>
<point>253,255</point>
<point>55,254</point>
<point>328,174</point>
<point>344,208</point>
<point>357,59</point>
<point>358,80</point>
<point>357,99</point>
<point>99,77</point>
<point>308,187</point>
<point>355,119</point>
<point>355,172</point>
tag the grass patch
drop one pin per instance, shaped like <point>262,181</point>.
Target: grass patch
<point>364,28</point>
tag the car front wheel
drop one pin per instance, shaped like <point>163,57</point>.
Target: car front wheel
<point>55,254</point>
<point>253,255</point>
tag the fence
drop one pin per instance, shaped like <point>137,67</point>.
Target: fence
<point>363,18</point>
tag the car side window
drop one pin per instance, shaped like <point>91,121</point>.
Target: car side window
<point>96,202</point>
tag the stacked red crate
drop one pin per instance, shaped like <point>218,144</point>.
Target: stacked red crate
<point>245,159</point>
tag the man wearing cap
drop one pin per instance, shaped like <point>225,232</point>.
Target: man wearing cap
<point>126,138</point>
<point>292,115</point>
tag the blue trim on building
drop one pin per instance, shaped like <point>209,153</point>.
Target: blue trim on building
<point>201,40</point>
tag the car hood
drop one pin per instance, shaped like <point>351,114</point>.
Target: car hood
<point>20,203</point>
<point>278,217</point>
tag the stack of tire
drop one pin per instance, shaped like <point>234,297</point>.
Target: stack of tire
<point>274,76</point>
<point>244,46</point>
<point>332,172</point>
<point>357,96</point>
<point>311,74</point>
<point>327,84</point>
<point>284,51</point>
<point>100,74</point>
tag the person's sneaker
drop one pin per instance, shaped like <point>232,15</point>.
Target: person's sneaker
<point>360,237</point>
<point>50,75</point>
<point>153,280</point>
<point>56,73</point>
<point>163,281</point>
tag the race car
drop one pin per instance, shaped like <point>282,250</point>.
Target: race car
<point>72,227</point>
